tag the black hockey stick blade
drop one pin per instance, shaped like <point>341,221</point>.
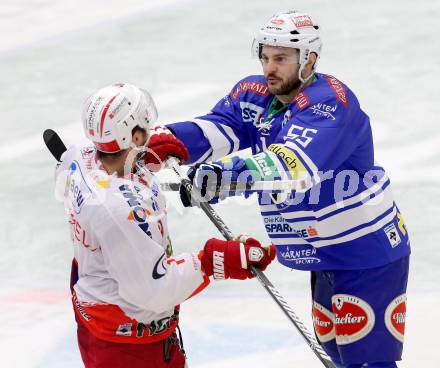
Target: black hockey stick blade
<point>54,143</point>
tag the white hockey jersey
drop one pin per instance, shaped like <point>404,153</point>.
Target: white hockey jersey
<point>129,286</point>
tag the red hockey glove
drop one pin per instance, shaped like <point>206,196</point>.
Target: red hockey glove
<point>161,145</point>
<point>231,259</point>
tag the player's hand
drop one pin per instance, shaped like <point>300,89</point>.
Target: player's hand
<point>161,145</point>
<point>232,259</point>
<point>208,178</point>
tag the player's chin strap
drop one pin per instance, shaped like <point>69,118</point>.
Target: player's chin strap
<point>301,69</point>
<point>173,164</point>
<point>136,153</point>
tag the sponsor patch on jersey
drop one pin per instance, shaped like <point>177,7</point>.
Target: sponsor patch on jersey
<point>339,89</point>
<point>276,225</point>
<point>324,110</point>
<point>323,322</point>
<point>302,21</point>
<point>290,159</point>
<point>354,318</point>
<point>124,329</point>
<point>76,187</point>
<point>79,234</point>
<point>296,255</point>
<point>392,235</point>
<point>254,87</point>
<point>263,164</point>
<point>154,327</point>
<point>308,232</point>
<point>287,116</point>
<point>251,113</point>
<point>80,309</point>
<point>395,316</point>
<point>302,101</point>
<point>138,214</point>
<point>401,223</point>
<point>159,269</point>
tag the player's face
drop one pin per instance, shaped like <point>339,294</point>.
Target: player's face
<point>280,67</point>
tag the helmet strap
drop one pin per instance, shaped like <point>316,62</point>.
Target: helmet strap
<point>301,78</point>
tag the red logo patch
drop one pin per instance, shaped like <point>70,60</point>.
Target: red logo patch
<point>395,316</point>
<point>338,88</point>
<point>354,318</point>
<point>302,101</point>
<point>323,322</point>
<point>277,21</point>
<point>302,21</point>
<point>256,87</point>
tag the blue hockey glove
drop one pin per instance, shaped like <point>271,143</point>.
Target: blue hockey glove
<point>209,178</point>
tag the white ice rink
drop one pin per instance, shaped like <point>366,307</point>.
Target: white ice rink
<point>188,54</point>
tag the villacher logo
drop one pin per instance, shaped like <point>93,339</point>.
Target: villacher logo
<point>395,316</point>
<point>354,318</point>
<point>323,322</point>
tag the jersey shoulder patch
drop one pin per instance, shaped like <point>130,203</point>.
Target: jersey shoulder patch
<point>339,90</point>
<point>252,85</point>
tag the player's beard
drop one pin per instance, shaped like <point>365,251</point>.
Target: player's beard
<point>288,86</point>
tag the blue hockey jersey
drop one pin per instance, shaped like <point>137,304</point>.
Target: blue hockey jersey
<point>345,216</point>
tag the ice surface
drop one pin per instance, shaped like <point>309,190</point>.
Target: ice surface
<point>188,54</point>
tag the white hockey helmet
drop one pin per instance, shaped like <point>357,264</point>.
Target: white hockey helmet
<point>290,29</point>
<point>110,114</point>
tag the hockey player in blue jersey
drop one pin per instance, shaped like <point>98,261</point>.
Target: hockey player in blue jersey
<point>341,221</point>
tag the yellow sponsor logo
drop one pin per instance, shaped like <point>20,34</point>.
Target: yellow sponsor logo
<point>401,223</point>
<point>295,166</point>
<point>103,183</point>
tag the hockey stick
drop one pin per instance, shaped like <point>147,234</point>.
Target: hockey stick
<point>264,281</point>
<point>268,185</point>
<point>57,148</point>
<point>54,143</point>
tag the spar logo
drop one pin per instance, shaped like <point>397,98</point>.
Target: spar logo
<point>395,316</point>
<point>323,322</point>
<point>354,318</point>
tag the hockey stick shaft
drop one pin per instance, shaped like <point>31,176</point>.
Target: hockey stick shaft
<point>270,185</point>
<point>264,281</point>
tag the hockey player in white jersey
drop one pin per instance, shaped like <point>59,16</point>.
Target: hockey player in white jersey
<point>126,284</point>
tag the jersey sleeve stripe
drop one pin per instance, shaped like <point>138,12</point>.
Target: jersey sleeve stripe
<point>219,141</point>
<point>342,205</point>
<point>362,230</point>
<point>230,133</point>
<point>349,221</point>
<point>205,157</point>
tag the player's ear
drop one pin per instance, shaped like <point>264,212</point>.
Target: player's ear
<point>311,62</point>
<point>139,136</point>
<point>308,68</point>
